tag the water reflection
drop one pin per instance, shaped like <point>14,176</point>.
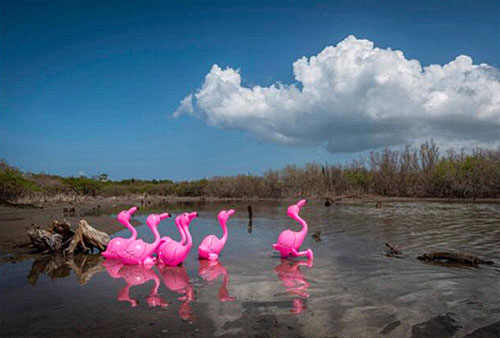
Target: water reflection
<point>210,271</point>
<point>176,279</point>
<point>135,275</point>
<point>294,281</point>
<point>55,266</point>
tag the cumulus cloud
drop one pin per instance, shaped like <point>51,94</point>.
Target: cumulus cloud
<point>353,97</point>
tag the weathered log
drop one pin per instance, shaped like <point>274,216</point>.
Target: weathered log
<point>456,258</point>
<point>87,238</point>
<point>45,241</point>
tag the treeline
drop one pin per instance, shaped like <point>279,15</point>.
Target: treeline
<point>409,172</point>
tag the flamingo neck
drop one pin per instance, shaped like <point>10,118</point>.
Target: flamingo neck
<point>181,231</point>
<point>224,231</point>
<point>188,236</point>
<point>154,229</point>
<point>129,226</point>
<point>132,230</point>
<point>156,287</point>
<point>303,231</point>
<point>225,277</point>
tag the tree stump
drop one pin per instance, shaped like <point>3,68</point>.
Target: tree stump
<point>87,238</point>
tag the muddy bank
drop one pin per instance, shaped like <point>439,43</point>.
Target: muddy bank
<point>15,221</point>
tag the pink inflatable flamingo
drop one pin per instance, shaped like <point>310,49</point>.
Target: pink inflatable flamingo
<point>295,283</point>
<point>289,241</point>
<point>173,253</point>
<point>139,252</point>
<point>119,244</point>
<point>210,271</point>
<point>211,246</point>
<point>176,279</point>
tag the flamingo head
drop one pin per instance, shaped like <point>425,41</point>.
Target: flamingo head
<point>225,214</point>
<point>124,216</point>
<point>294,209</point>
<point>154,219</point>
<point>186,217</point>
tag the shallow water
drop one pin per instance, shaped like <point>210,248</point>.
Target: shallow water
<point>352,289</point>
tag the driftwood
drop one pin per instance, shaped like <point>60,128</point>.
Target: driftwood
<point>45,241</point>
<point>59,237</point>
<point>393,250</point>
<point>453,258</point>
<point>88,238</point>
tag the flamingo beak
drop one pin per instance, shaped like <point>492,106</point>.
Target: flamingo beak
<point>132,210</point>
<point>164,215</point>
<point>193,215</point>
<point>301,203</point>
<point>230,212</point>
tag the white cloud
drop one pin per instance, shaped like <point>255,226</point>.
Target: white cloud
<point>354,97</point>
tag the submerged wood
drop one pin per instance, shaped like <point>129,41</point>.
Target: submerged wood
<point>393,250</point>
<point>250,219</point>
<point>454,258</point>
<point>317,235</point>
<point>444,258</point>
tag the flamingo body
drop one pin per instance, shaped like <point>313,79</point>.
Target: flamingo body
<point>119,244</point>
<point>211,246</point>
<point>173,253</point>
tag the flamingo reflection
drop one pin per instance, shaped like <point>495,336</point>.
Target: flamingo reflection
<point>294,281</point>
<point>135,275</point>
<point>176,279</point>
<point>210,271</point>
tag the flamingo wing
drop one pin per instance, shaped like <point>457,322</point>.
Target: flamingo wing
<point>287,238</point>
<point>136,249</point>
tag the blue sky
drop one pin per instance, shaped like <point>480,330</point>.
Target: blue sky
<point>91,87</point>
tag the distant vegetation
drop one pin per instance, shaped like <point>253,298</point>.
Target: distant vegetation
<point>409,172</point>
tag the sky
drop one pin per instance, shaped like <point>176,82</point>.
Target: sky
<point>187,90</point>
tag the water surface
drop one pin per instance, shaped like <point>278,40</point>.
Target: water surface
<point>351,290</point>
